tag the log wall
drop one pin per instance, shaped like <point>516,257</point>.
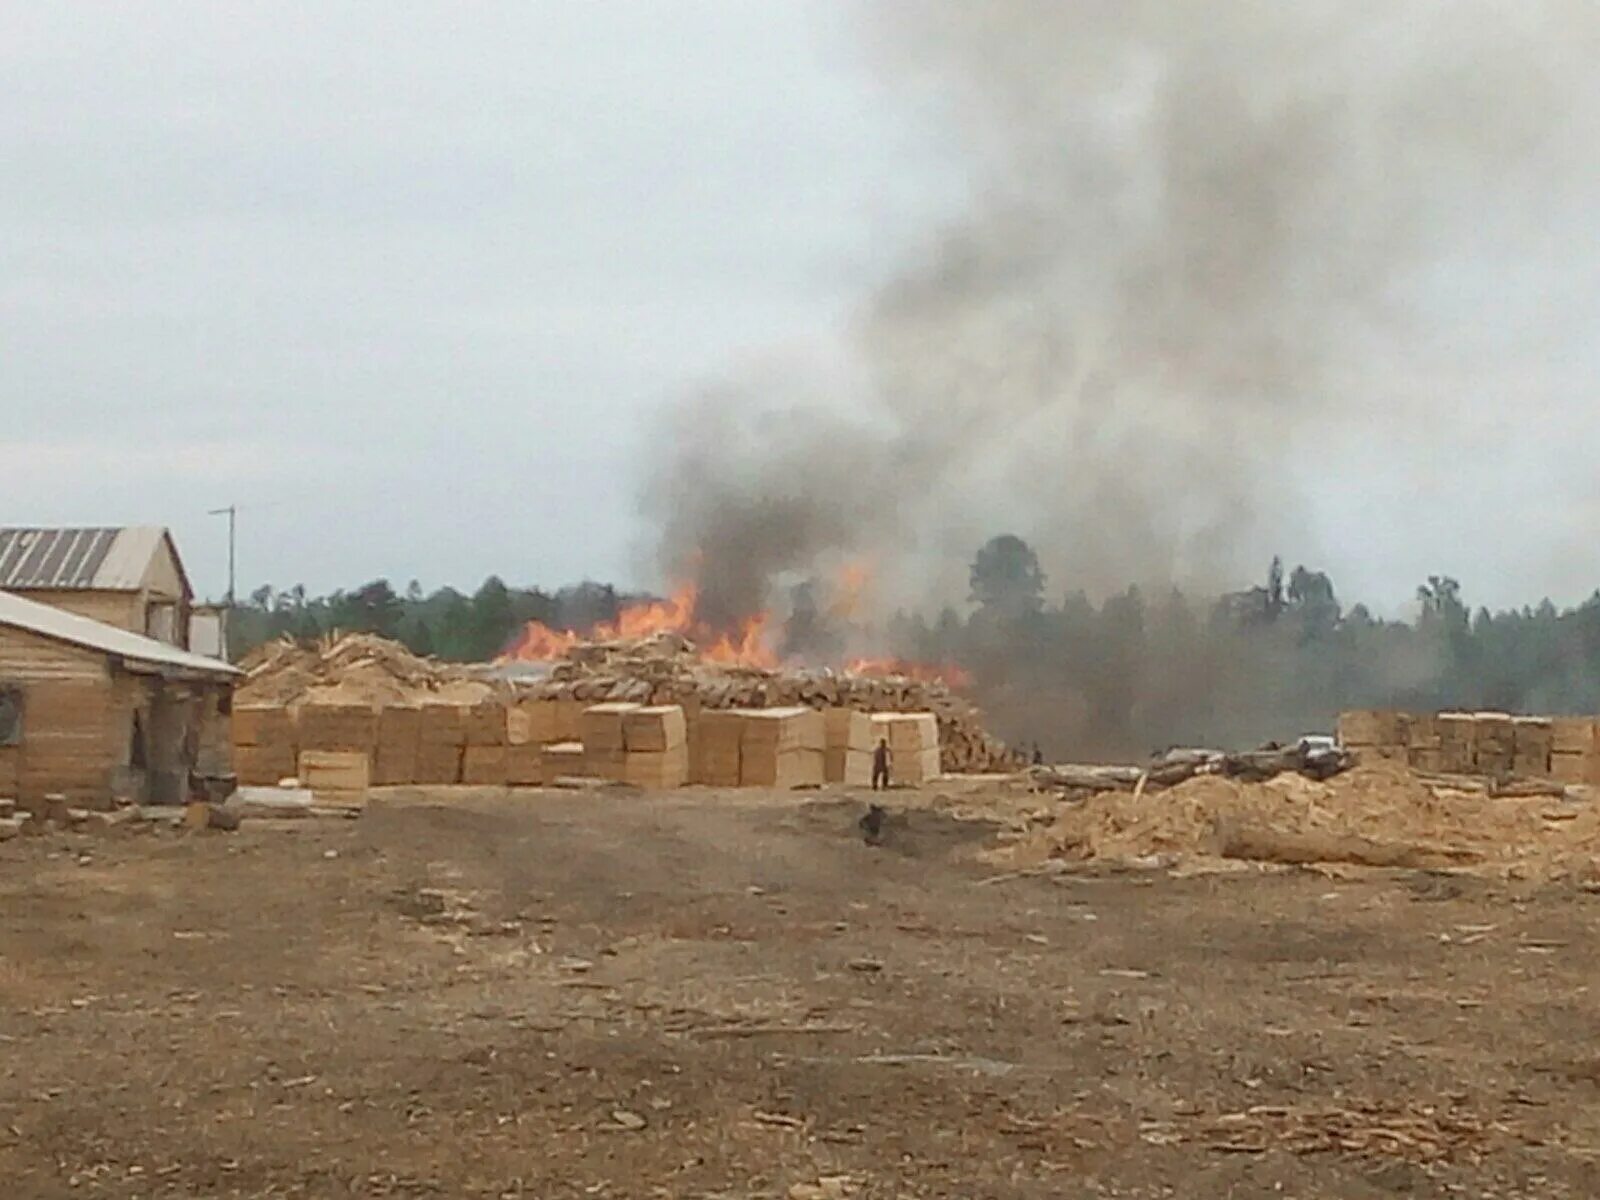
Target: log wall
<point>66,718</point>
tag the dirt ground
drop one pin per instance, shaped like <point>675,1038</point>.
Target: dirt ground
<point>715,995</point>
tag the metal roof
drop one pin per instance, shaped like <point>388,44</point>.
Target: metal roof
<point>106,560</point>
<point>135,649</point>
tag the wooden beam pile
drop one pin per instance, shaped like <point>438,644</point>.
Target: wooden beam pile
<point>424,722</point>
<point>666,670</point>
<point>1496,745</point>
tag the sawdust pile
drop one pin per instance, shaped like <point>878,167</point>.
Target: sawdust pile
<point>354,668</point>
<point>1382,804</point>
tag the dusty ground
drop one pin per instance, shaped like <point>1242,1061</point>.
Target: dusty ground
<point>715,996</point>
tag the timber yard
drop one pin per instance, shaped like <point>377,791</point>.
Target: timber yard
<point>803,600</point>
<point>626,926</point>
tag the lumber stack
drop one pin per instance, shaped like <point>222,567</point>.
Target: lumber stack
<point>264,747</point>
<point>1493,744</point>
<point>715,748</point>
<point>353,681</point>
<point>847,747</point>
<point>781,748</point>
<point>336,778</point>
<point>604,747</point>
<point>1574,750</point>
<point>1458,743</point>
<point>913,746</point>
<point>564,760</point>
<point>334,726</point>
<point>540,721</point>
<point>655,747</point>
<point>1376,733</point>
<point>666,669</point>
<point>1532,741</point>
<point>399,744</point>
<point>441,743</point>
<point>1495,735</point>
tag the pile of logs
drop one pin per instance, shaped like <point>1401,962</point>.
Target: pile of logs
<point>666,669</point>
<point>1176,766</point>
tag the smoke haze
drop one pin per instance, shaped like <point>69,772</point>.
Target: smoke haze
<point>1195,237</point>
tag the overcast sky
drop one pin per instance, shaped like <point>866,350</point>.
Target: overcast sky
<point>406,281</point>
<point>401,279</point>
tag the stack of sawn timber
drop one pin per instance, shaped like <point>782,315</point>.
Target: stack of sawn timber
<point>425,722</point>
<point>647,746</point>
<point>1496,744</point>
<point>847,747</point>
<point>666,670</point>
<point>913,746</point>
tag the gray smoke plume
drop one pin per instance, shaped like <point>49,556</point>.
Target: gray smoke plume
<point>1192,233</point>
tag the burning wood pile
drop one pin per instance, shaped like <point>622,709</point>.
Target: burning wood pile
<point>360,679</point>
<point>667,668</point>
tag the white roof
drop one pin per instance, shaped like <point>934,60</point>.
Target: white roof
<point>125,566</point>
<point>137,649</point>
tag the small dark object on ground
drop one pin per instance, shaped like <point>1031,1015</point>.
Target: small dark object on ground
<point>872,824</point>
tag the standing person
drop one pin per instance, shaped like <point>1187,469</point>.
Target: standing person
<point>1038,755</point>
<point>880,765</point>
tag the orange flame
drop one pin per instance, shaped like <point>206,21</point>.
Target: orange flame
<point>849,591</point>
<point>748,646</point>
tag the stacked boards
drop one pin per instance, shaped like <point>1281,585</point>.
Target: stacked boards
<point>264,748</point>
<point>847,747</point>
<point>913,746</point>
<point>1566,749</point>
<point>336,778</point>
<point>716,748</point>
<point>491,740</point>
<point>647,746</point>
<point>781,748</point>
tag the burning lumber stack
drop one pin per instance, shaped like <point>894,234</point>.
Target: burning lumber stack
<point>666,669</point>
<point>424,722</point>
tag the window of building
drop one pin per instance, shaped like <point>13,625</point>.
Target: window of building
<point>10,715</point>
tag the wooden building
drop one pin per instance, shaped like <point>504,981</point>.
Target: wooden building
<point>131,578</point>
<point>95,713</point>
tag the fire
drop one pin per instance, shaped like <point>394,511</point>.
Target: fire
<point>946,673</point>
<point>849,590</point>
<point>752,644</point>
<point>747,646</point>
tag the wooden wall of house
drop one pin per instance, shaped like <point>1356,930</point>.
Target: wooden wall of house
<point>125,610</point>
<point>165,599</point>
<point>66,746</point>
<point>164,580</point>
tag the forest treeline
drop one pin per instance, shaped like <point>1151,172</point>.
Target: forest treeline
<point>1125,675</point>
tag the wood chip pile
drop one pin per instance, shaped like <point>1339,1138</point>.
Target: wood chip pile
<point>1379,814</point>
